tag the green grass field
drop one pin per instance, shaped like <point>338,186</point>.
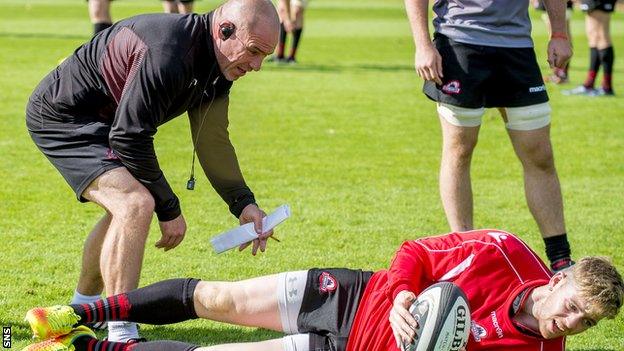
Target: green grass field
<point>345,137</point>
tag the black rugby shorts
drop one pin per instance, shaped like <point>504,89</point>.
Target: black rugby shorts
<point>602,5</point>
<point>78,149</point>
<point>478,76</point>
<point>330,301</point>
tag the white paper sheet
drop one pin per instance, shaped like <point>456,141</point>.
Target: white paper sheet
<point>246,233</point>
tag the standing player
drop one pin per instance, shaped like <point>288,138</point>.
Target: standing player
<point>291,14</point>
<point>516,305</point>
<point>178,6</point>
<point>482,56</point>
<point>597,23</point>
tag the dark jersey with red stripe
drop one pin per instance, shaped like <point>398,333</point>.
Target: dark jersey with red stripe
<point>135,76</point>
<point>492,267</point>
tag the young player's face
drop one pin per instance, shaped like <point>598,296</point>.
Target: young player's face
<point>563,312</point>
<point>244,51</point>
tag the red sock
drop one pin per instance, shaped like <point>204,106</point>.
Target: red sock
<point>109,309</point>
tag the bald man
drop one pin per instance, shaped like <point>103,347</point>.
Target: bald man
<point>95,116</point>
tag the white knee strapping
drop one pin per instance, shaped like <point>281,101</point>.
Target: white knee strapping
<point>528,117</point>
<point>297,342</point>
<point>290,289</point>
<point>461,116</point>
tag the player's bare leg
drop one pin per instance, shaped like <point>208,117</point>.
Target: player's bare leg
<point>458,144</point>
<point>131,207</point>
<point>297,20</point>
<point>99,14</point>
<point>252,302</point>
<point>185,7</point>
<point>541,182</point>
<point>90,281</point>
<point>99,11</point>
<point>298,17</point>
<point>597,29</point>
<point>170,6</point>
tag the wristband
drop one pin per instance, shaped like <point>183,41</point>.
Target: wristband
<point>559,35</point>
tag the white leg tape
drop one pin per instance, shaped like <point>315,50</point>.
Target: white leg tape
<point>461,116</point>
<point>297,342</point>
<point>290,289</point>
<point>528,117</point>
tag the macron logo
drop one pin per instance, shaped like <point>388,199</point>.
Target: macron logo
<point>499,330</point>
<point>537,89</point>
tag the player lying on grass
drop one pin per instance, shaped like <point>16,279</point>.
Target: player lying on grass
<point>516,303</point>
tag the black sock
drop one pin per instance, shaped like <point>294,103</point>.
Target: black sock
<point>87,343</point>
<point>606,58</point>
<point>98,27</point>
<point>594,66</point>
<point>282,42</point>
<point>295,44</point>
<point>557,248</point>
<point>165,302</point>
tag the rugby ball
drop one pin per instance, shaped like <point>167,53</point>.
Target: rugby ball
<point>443,315</point>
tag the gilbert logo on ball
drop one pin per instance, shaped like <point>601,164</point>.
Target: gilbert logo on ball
<point>443,313</point>
<point>327,283</point>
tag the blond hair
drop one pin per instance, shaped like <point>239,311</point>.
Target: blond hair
<point>600,285</point>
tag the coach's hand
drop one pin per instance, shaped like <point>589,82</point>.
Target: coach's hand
<point>559,52</point>
<point>252,213</point>
<point>173,232</point>
<point>401,320</point>
<point>428,63</point>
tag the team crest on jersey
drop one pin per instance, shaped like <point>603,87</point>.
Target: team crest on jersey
<point>327,283</point>
<point>478,332</point>
<point>452,87</point>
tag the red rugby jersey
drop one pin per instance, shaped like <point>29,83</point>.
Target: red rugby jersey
<point>491,266</point>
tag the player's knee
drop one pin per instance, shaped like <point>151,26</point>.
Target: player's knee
<point>215,297</point>
<point>461,116</point>
<point>138,204</point>
<point>540,158</point>
<point>528,117</point>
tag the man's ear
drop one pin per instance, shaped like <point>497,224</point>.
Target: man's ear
<point>557,279</point>
<point>226,29</point>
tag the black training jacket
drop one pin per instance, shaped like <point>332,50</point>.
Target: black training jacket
<point>141,73</point>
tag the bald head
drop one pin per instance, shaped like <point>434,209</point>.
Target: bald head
<point>244,32</point>
<point>251,13</point>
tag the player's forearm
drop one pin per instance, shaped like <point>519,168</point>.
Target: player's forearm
<point>418,15</point>
<point>410,270</point>
<point>556,10</point>
<point>217,155</point>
